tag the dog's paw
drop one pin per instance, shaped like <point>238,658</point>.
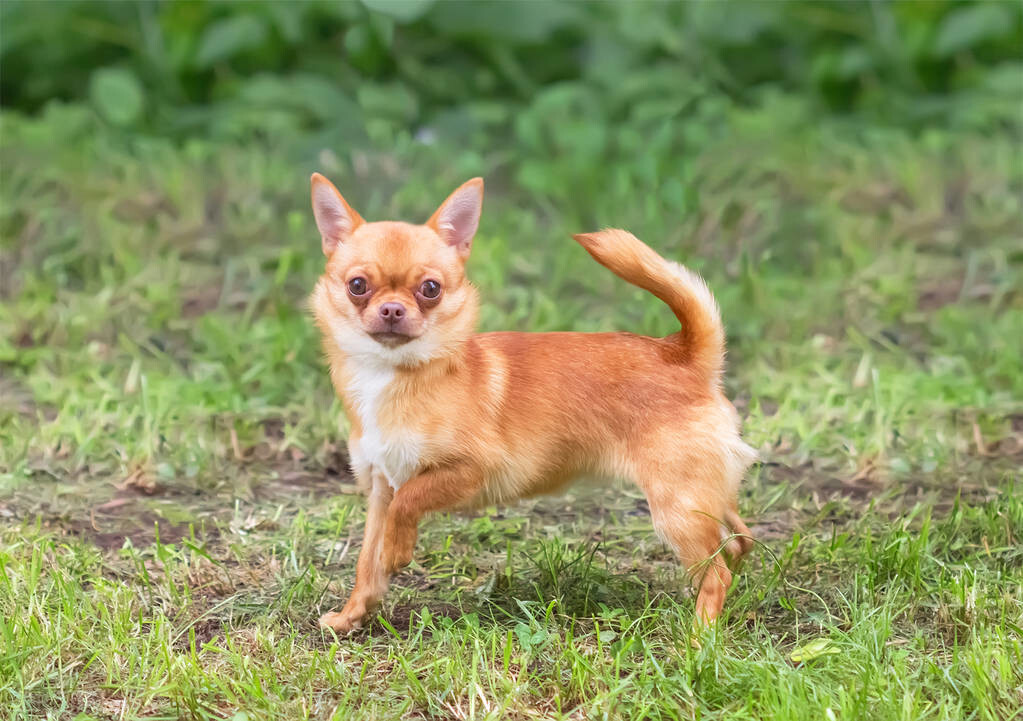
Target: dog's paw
<point>345,621</point>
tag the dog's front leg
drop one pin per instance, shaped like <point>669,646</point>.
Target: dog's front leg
<point>370,572</point>
<point>435,490</point>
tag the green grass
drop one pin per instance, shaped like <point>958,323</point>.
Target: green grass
<point>175,506</point>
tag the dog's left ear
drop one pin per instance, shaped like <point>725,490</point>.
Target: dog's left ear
<point>458,217</point>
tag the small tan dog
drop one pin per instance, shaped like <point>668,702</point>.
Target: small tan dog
<point>444,418</point>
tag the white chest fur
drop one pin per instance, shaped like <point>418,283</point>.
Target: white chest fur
<point>394,452</point>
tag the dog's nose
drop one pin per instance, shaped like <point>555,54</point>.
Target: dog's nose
<point>392,312</point>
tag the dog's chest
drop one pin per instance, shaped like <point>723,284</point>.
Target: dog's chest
<point>392,450</point>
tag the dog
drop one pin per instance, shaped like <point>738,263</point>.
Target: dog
<point>444,418</point>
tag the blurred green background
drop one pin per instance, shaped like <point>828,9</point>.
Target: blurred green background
<point>346,73</point>
<point>848,177</point>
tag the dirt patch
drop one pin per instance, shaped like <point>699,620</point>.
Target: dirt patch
<point>1009,446</point>
<point>123,518</point>
<point>939,293</point>
<point>860,487</point>
<point>337,462</point>
<point>819,497</point>
<point>875,198</point>
<point>17,397</point>
<point>299,483</point>
<point>205,630</point>
<point>106,505</point>
<point>200,300</point>
<point>402,615</point>
<point>822,486</point>
<point>776,526</point>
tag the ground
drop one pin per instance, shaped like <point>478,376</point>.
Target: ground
<point>176,508</point>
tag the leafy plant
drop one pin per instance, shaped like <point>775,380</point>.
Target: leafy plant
<point>352,70</point>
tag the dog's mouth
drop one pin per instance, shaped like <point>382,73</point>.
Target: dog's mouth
<point>391,339</point>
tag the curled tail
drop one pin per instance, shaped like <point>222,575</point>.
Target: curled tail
<point>702,338</point>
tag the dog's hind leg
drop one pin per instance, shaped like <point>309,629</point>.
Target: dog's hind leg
<point>692,514</point>
<point>741,541</point>
<point>696,538</point>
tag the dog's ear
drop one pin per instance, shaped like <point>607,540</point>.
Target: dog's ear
<point>458,217</point>
<point>334,216</point>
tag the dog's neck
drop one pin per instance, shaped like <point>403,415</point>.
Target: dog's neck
<point>376,389</point>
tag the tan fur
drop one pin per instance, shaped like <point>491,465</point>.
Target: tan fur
<point>453,419</point>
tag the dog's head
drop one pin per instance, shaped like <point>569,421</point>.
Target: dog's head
<point>392,291</point>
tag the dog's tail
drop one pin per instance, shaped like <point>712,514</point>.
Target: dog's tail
<point>702,338</point>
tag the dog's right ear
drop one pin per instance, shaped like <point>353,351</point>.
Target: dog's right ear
<point>334,216</point>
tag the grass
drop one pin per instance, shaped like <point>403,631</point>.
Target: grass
<point>175,505</point>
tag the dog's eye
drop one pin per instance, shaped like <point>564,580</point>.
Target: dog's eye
<point>430,289</point>
<point>357,286</point>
